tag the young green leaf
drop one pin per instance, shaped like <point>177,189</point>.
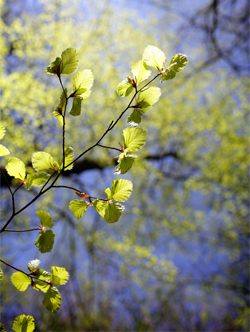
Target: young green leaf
<point>16,168</point>
<point>45,218</point>
<point>121,190</point>
<point>52,300</point>
<point>45,241</point>
<point>70,61</point>
<point>134,138</point>
<point>177,63</point>
<point>61,107</point>
<point>33,265</point>
<point>76,107</point>
<point>83,81</point>
<point>2,131</point>
<point>59,275</point>
<point>110,211</point>
<point>140,71</point>
<point>23,323</point>
<point>39,178</point>
<point>3,151</point>
<point>78,208</point>
<point>41,285</point>
<point>54,68</point>
<point>1,275</point>
<point>135,118</point>
<point>69,157</point>
<point>124,88</point>
<point>59,117</point>
<point>148,97</point>
<point>43,161</point>
<point>154,57</point>
<point>125,162</point>
<point>21,281</point>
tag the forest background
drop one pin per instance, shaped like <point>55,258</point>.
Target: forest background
<point>178,259</point>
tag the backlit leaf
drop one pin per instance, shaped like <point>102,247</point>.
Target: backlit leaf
<point>177,63</point>
<point>83,80</point>
<point>135,118</point>
<point>1,275</point>
<point>125,162</point>
<point>3,151</point>
<point>45,241</point>
<point>43,161</point>
<point>76,107</point>
<point>140,71</point>
<point>54,68</point>
<point>154,57</point>
<point>52,300</point>
<point>15,167</point>
<point>59,275</point>
<point>45,218</point>
<point>23,323</point>
<point>121,189</point>
<point>78,207</point>
<point>124,88</point>
<point>2,131</point>
<point>148,97</point>
<point>69,157</point>
<point>70,61</point>
<point>134,138</point>
<point>33,265</point>
<point>21,281</point>
<point>110,211</point>
<point>39,178</point>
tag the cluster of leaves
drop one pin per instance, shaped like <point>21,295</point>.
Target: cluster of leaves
<point>47,170</point>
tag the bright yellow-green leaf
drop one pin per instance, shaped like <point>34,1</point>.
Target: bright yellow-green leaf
<point>110,211</point>
<point>1,275</point>
<point>45,241</point>
<point>121,189</point>
<point>16,168</point>
<point>83,80</point>
<point>39,178</point>
<point>43,161</point>
<point>2,131</point>
<point>148,97</point>
<point>33,265</point>
<point>23,323</point>
<point>59,117</point>
<point>69,157</point>
<point>2,329</point>
<point>45,218</point>
<point>125,162</point>
<point>70,61</point>
<point>76,107</point>
<point>124,88</point>
<point>134,138</point>
<point>78,207</point>
<point>54,68</point>
<point>154,57</point>
<point>59,275</point>
<point>178,62</point>
<point>21,281</point>
<point>140,71</point>
<point>3,151</point>
<point>52,300</point>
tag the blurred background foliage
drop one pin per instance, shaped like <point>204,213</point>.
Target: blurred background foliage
<point>178,259</point>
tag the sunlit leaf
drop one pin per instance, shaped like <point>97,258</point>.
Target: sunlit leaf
<point>52,300</point>
<point>76,107</point>
<point>177,63</point>
<point>70,61</point>
<point>23,323</point>
<point>69,157</point>
<point>43,161</point>
<point>54,68</point>
<point>21,281</point>
<point>134,138</point>
<point>16,167</point>
<point>1,275</point>
<point>45,241</point>
<point>121,189</point>
<point>135,118</point>
<point>78,207</point>
<point>45,218</point>
<point>3,151</point>
<point>148,97</point>
<point>110,211</point>
<point>2,131</point>
<point>154,57</point>
<point>39,178</point>
<point>125,162</point>
<point>59,275</point>
<point>140,71</point>
<point>168,75</point>
<point>33,265</point>
<point>124,88</point>
<point>83,80</point>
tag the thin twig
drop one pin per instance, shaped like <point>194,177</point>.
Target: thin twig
<point>108,147</point>
<point>24,230</point>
